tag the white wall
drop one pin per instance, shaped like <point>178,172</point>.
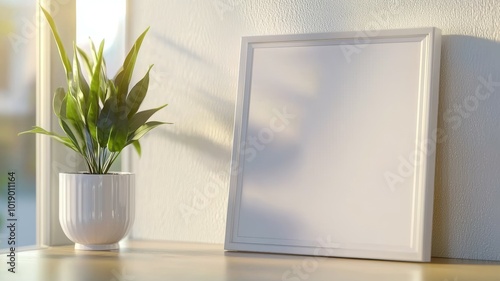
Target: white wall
<point>195,46</point>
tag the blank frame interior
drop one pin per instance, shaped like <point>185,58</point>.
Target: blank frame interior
<point>334,143</point>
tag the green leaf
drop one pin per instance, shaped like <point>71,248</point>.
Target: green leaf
<point>105,121</point>
<point>104,76</point>
<point>60,46</point>
<point>80,86</point>
<point>62,111</point>
<point>73,110</point>
<point>64,140</point>
<point>95,88</point>
<point>92,119</point>
<point>86,60</point>
<point>58,101</point>
<point>119,131</point>
<point>89,142</point>
<point>73,122</point>
<point>102,68</point>
<point>67,125</point>
<point>137,146</point>
<point>137,94</point>
<point>123,77</point>
<point>139,133</point>
<point>73,133</point>
<point>142,117</point>
<point>110,91</point>
<point>93,50</point>
<point>118,137</point>
<point>96,71</point>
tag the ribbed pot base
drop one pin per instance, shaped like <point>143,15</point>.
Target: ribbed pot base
<point>102,247</point>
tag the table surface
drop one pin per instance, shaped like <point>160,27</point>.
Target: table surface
<point>152,260</point>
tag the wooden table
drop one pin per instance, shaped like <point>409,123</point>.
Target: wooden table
<point>145,261</point>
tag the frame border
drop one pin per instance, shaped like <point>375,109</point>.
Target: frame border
<point>426,127</point>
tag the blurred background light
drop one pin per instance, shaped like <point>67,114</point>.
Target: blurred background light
<point>102,19</point>
<point>17,113</point>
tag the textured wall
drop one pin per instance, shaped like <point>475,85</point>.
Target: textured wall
<point>195,45</point>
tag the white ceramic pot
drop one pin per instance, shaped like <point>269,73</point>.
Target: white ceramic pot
<point>96,211</point>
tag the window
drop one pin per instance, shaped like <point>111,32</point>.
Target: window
<point>17,113</point>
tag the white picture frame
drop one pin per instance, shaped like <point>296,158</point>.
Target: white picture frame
<point>334,144</point>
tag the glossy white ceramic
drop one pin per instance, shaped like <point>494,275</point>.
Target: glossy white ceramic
<point>96,211</point>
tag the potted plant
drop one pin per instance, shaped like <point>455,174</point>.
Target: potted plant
<point>100,117</point>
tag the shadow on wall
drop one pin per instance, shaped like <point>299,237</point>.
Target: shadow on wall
<point>177,48</point>
<point>466,212</point>
<point>467,185</point>
<point>211,150</point>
